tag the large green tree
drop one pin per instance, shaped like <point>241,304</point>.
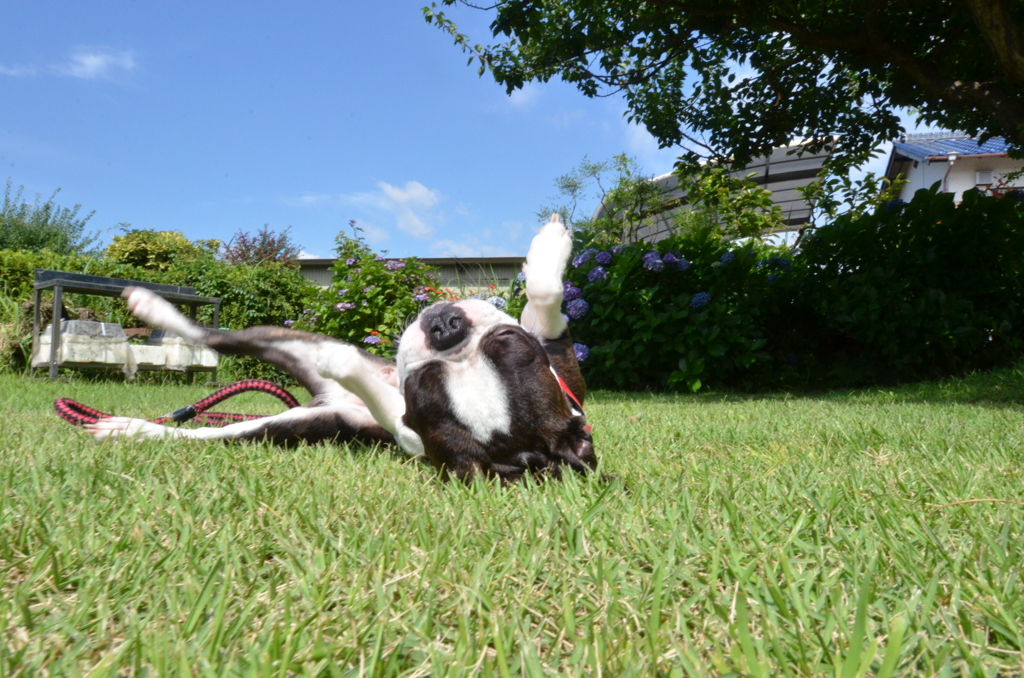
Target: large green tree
<point>733,78</point>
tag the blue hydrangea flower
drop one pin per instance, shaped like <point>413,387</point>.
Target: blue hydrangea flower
<point>670,258</point>
<point>683,265</point>
<point>582,352</point>
<point>394,265</point>
<point>421,297</point>
<point>597,273</point>
<point>603,258</point>
<point>518,282</point>
<point>372,339</point>
<point>772,277</point>
<point>700,300</point>
<point>341,293</point>
<point>496,302</point>
<point>569,292</point>
<point>651,255</point>
<point>727,258</point>
<point>344,306</point>
<point>577,308</point>
<point>583,257</point>
<point>350,262</point>
<point>618,249</point>
<point>653,263</point>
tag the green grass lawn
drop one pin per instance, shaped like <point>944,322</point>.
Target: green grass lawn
<point>869,532</point>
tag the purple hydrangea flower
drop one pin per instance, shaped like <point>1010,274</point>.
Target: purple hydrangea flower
<point>582,352</point>
<point>379,258</point>
<point>727,258</point>
<point>496,302</point>
<point>577,308</point>
<point>312,321</point>
<point>583,257</point>
<point>421,297</point>
<point>341,293</point>
<point>653,263</point>
<point>394,265</point>
<point>683,265</point>
<point>670,258</point>
<point>372,339</point>
<point>570,292</point>
<point>351,262</point>
<point>651,255</point>
<point>306,311</point>
<point>700,300</point>
<point>597,273</point>
<point>603,258</point>
<point>344,306</point>
<point>289,323</point>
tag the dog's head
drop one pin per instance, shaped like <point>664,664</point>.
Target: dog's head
<point>483,396</point>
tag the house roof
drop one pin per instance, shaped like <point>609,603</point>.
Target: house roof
<point>934,147</point>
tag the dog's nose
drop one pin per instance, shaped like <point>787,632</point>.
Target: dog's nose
<point>445,326</point>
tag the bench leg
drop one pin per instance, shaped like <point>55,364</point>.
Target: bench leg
<point>58,311</point>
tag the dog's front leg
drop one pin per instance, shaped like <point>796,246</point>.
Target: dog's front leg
<point>544,268</point>
<point>353,369</point>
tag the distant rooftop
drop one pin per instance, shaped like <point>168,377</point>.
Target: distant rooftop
<point>939,145</point>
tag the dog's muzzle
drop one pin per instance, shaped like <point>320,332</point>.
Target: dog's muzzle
<point>445,326</point>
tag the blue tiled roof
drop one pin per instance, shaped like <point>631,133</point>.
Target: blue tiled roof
<point>920,150</point>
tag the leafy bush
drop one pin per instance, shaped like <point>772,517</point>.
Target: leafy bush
<point>371,297</point>
<point>652,317</point>
<point>908,291</point>
<point>157,250</point>
<point>266,294</point>
<point>265,246</point>
<point>917,290</point>
<point>42,225</point>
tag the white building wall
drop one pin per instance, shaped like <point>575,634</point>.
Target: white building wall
<point>961,176</point>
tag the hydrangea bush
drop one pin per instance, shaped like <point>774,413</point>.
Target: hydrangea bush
<point>907,291</point>
<point>371,298</point>
<point>661,316</point>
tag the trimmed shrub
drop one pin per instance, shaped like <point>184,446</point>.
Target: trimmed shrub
<point>371,297</point>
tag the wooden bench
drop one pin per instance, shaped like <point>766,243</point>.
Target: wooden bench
<point>100,286</point>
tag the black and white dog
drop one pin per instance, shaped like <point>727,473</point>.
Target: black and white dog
<point>472,389</point>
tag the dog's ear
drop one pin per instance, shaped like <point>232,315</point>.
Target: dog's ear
<point>575,447</point>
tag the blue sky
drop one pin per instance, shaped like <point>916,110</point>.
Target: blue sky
<point>213,117</point>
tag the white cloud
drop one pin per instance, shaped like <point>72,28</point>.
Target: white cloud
<point>303,254</point>
<point>410,205</point>
<point>374,235</point>
<point>88,63</point>
<point>308,200</point>
<point>525,98</point>
<point>17,71</point>
<point>95,63</point>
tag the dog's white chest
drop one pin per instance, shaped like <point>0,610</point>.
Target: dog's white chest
<point>478,398</point>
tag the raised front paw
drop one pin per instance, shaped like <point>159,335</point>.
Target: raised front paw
<point>125,427</point>
<point>546,261</point>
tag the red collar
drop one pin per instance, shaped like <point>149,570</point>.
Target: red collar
<point>572,396</point>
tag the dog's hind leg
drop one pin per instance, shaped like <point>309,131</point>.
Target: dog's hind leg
<point>289,350</point>
<point>339,422</point>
